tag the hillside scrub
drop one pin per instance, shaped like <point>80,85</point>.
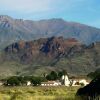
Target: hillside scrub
<point>38,93</point>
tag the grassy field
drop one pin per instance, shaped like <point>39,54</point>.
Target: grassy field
<point>38,93</point>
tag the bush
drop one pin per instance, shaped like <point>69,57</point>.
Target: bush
<point>13,81</point>
<point>52,76</point>
<point>36,81</point>
<point>92,90</point>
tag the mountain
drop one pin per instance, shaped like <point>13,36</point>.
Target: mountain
<point>46,54</point>
<point>12,30</point>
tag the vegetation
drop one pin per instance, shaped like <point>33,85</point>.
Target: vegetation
<point>91,91</point>
<point>22,80</point>
<point>38,93</point>
<point>77,60</point>
<point>13,81</point>
<point>52,76</point>
<point>95,74</point>
<point>56,75</point>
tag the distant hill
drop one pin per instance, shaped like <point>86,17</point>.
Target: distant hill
<point>13,30</point>
<point>47,54</point>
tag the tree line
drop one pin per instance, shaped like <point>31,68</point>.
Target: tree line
<point>22,80</point>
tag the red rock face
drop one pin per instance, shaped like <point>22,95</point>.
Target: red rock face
<point>21,44</point>
<point>58,45</point>
<point>72,41</point>
<point>50,47</point>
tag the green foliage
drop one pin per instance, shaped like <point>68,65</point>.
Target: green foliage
<point>52,76</point>
<point>13,81</point>
<point>36,81</point>
<point>56,75</point>
<point>60,74</point>
<point>82,84</point>
<point>91,75</point>
<point>22,80</point>
<point>81,63</point>
<point>90,91</point>
<point>95,74</point>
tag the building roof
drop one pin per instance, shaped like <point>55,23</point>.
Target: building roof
<point>49,82</point>
<point>80,78</point>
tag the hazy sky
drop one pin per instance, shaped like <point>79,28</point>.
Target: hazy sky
<point>83,11</point>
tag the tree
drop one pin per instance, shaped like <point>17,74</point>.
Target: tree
<point>64,72</point>
<point>91,91</point>
<point>13,81</point>
<point>60,74</point>
<point>95,74</point>
<point>36,81</point>
<point>44,74</point>
<point>22,79</point>
<point>52,76</point>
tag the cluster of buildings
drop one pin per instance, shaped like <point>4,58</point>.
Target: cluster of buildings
<point>65,81</point>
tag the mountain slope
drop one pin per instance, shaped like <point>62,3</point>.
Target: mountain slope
<point>46,54</point>
<point>12,30</point>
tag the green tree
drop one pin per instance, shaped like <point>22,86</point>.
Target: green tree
<point>60,74</point>
<point>64,72</point>
<point>36,81</point>
<point>22,79</point>
<point>52,76</point>
<point>13,81</point>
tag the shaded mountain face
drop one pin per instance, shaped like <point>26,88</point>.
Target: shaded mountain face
<point>51,48</point>
<point>13,30</point>
<point>47,54</point>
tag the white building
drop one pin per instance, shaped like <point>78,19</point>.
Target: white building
<point>65,80</point>
<point>84,81</point>
<point>51,83</point>
<point>74,82</point>
<point>28,83</point>
<point>79,82</point>
<point>1,83</point>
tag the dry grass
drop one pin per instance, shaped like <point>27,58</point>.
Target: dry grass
<point>38,93</point>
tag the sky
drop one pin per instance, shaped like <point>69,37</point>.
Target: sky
<point>82,11</point>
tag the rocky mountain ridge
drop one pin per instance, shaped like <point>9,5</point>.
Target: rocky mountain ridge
<point>47,54</point>
<point>13,30</point>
